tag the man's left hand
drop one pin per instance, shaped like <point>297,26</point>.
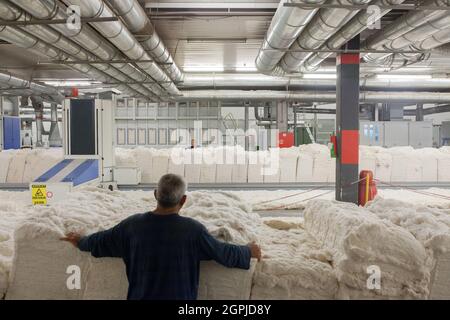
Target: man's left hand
<point>73,238</point>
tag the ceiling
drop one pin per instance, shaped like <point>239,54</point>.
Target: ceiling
<point>202,35</point>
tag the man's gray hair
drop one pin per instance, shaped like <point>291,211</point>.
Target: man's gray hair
<point>171,189</point>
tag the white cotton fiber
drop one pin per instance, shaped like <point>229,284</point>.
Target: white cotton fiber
<point>255,166</point>
<point>5,159</point>
<point>40,161</point>
<point>41,259</point>
<point>160,165</point>
<point>288,164</point>
<point>17,167</point>
<point>406,165</point>
<point>383,169</point>
<point>305,167</point>
<point>359,240</point>
<point>125,157</point>
<point>145,162</point>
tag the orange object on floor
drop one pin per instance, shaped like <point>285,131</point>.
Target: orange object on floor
<point>367,187</point>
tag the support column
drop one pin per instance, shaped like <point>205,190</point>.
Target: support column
<point>419,112</point>
<point>282,116</point>
<point>347,123</point>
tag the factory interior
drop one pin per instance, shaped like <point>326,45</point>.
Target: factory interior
<point>314,131</point>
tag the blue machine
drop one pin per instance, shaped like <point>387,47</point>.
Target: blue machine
<point>11,133</point>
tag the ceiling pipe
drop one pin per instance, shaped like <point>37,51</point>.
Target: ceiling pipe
<point>87,38</point>
<point>10,12</point>
<point>355,26</point>
<point>12,82</point>
<point>443,49</point>
<point>22,39</point>
<point>259,81</point>
<point>117,33</point>
<point>325,23</point>
<point>137,21</point>
<point>412,27</point>
<point>286,26</point>
<point>313,96</point>
<point>406,23</point>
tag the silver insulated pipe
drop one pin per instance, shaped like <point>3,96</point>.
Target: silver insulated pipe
<point>314,96</point>
<point>324,24</point>
<point>415,25</point>
<point>355,26</point>
<point>90,40</point>
<point>31,88</point>
<point>286,25</point>
<point>138,22</point>
<point>121,37</point>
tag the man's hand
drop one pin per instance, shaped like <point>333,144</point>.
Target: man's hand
<point>73,238</point>
<point>255,250</point>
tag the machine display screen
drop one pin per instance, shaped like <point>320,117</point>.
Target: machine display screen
<point>82,127</point>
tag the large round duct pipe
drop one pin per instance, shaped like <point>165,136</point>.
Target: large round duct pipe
<point>137,21</point>
<point>10,81</point>
<point>54,137</point>
<point>38,106</point>
<point>87,38</point>
<point>406,23</point>
<point>259,81</point>
<point>286,26</point>
<point>121,38</point>
<point>355,26</point>
<point>408,29</point>
<point>313,96</point>
<point>325,23</point>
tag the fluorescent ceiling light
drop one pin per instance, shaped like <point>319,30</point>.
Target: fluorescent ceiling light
<point>203,69</point>
<point>246,69</point>
<point>70,83</point>
<point>319,76</point>
<point>404,76</point>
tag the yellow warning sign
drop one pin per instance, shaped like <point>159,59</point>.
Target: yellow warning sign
<point>39,194</point>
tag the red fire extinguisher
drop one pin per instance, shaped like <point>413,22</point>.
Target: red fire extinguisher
<point>367,187</point>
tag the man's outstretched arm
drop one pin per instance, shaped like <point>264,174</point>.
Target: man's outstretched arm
<point>229,255</point>
<point>108,243</point>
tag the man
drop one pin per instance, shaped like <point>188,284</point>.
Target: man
<point>162,250</point>
<point>27,141</point>
<point>193,145</point>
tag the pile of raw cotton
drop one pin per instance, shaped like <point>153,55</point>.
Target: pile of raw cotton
<point>41,260</point>
<point>326,255</point>
<point>360,241</point>
<point>23,166</point>
<point>304,164</point>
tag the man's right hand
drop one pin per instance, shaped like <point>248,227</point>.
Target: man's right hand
<point>73,238</point>
<point>255,250</point>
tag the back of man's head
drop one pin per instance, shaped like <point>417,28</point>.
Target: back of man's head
<point>171,190</point>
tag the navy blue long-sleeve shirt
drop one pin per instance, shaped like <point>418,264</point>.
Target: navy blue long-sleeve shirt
<point>162,254</point>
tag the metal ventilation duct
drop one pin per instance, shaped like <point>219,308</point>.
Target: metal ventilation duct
<point>22,39</point>
<point>121,37</point>
<point>406,23</point>
<point>259,81</point>
<point>286,26</point>
<point>325,23</point>
<point>138,22</point>
<point>10,81</point>
<point>314,96</point>
<point>87,38</point>
<point>9,12</point>
<point>415,25</point>
<point>355,26</point>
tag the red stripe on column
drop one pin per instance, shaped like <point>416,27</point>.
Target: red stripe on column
<point>348,58</point>
<point>350,147</point>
